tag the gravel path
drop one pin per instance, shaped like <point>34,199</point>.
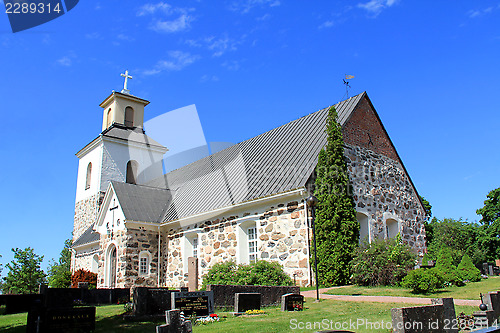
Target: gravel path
<point>382,299</point>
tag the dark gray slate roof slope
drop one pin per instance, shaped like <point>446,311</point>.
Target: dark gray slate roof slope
<point>87,237</point>
<point>142,203</point>
<point>131,134</point>
<point>274,162</point>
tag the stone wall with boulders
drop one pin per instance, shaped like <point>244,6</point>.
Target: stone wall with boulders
<point>381,189</point>
<point>129,245</point>
<point>85,214</point>
<point>282,236</point>
<point>83,258</point>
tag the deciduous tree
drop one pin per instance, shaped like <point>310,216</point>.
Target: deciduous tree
<point>25,274</point>
<point>489,238</point>
<point>60,271</point>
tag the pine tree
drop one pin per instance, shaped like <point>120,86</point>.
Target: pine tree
<point>337,230</point>
<point>467,271</point>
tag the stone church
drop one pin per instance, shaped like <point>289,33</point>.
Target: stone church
<point>135,226</point>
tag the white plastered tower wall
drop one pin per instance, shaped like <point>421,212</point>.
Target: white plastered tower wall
<point>108,156</point>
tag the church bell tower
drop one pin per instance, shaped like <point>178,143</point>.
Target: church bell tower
<point>122,152</point>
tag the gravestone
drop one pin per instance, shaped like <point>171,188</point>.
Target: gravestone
<point>175,323</point>
<point>61,320</point>
<point>192,273</point>
<point>492,301</point>
<point>485,268</point>
<point>246,301</point>
<point>490,268</point>
<point>292,302</point>
<point>483,318</point>
<point>151,301</point>
<point>199,303</point>
<point>449,315</point>
<point>83,285</point>
<point>418,319</point>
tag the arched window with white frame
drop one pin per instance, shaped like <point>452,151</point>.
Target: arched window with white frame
<point>129,116</point>
<point>89,176</point>
<point>132,167</point>
<point>109,119</point>
<point>364,227</point>
<point>144,263</point>
<point>392,227</point>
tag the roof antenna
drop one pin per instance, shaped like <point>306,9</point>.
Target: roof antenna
<point>347,86</point>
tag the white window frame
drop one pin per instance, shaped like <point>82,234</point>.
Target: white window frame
<point>144,256</point>
<point>252,243</point>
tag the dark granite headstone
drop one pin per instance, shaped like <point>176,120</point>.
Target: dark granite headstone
<point>199,303</point>
<point>61,320</point>
<point>246,301</point>
<point>292,302</point>
<point>486,269</point>
<point>490,268</point>
<point>151,301</point>
<point>483,318</point>
<point>83,285</point>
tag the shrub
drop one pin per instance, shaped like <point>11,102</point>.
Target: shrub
<point>423,281</point>
<point>82,275</point>
<point>261,272</point>
<point>467,271</point>
<point>382,263</point>
<point>446,268</point>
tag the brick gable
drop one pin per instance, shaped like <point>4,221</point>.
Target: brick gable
<point>364,129</point>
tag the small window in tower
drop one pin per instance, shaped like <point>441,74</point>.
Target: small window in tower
<point>132,167</point>
<point>89,175</point>
<point>129,117</point>
<point>109,120</point>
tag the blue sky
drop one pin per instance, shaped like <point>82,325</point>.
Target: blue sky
<point>431,70</point>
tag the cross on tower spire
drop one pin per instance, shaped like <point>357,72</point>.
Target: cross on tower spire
<point>126,76</point>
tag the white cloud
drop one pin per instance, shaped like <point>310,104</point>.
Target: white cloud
<point>232,65</point>
<point>93,35</point>
<point>244,6</point>
<point>65,61</point>
<point>326,24</point>
<point>206,78</point>
<point>218,46</point>
<point>149,9</point>
<point>264,17</point>
<point>125,37</point>
<point>374,7</point>
<point>176,61</point>
<point>474,13</point>
<point>179,24</point>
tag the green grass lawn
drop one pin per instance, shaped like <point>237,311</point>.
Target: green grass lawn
<point>470,291</point>
<point>109,319</point>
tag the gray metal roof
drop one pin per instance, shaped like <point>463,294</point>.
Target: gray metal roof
<point>87,237</point>
<point>274,162</point>
<point>141,203</point>
<point>135,134</point>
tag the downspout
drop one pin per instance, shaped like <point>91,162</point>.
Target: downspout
<point>308,242</point>
<point>159,256</point>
